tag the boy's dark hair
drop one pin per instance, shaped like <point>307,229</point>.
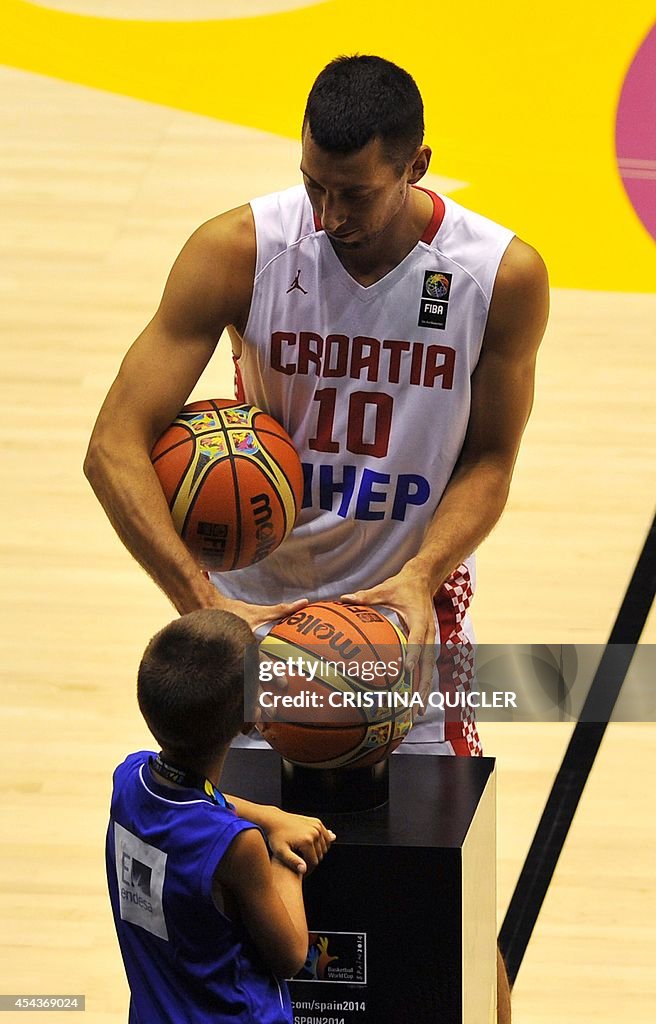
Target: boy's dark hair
<point>360,98</point>
<point>191,682</point>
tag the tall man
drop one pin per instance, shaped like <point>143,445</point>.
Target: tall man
<point>392,332</point>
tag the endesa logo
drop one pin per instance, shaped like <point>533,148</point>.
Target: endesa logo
<point>138,877</point>
<point>128,896</point>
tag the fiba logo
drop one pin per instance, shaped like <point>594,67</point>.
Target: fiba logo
<point>434,302</point>
<point>436,286</point>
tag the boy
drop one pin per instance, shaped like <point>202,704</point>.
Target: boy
<point>207,922</point>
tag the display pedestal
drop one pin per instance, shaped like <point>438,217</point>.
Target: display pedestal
<point>402,911</point>
<point>334,790</point>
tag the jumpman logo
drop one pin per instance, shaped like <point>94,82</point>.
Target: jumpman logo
<point>295,284</point>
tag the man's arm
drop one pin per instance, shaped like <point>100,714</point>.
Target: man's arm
<point>502,396</point>
<point>270,901</point>
<point>209,287</point>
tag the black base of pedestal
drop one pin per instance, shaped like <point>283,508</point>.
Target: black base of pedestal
<point>385,906</point>
<point>333,790</point>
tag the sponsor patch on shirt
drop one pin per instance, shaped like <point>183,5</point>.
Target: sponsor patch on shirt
<point>140,871</point>
<point>434,303</point>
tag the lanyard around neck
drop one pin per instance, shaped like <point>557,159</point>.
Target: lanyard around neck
<point>185,777</point>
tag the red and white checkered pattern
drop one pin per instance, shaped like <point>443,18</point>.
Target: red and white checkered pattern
<point>460,592</point>
<point>457,663</point>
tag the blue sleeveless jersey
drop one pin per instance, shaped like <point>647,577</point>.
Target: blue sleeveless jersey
<point>186,962</point>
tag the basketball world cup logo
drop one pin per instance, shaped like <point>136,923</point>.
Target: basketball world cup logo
<point>212,447</point>
<point>244,441</point>
<point>236,417</point>
<point>199,421</point>
<point>437,285</point>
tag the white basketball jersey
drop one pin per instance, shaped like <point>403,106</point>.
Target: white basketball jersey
<point>373,384</point>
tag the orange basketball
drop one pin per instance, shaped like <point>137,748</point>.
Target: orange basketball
<point>232,479</point>
<point>348,696</point>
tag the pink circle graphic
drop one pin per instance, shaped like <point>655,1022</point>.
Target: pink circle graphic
<point>635,133</point>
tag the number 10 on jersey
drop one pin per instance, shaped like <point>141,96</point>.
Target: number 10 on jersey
<point>369,414</point>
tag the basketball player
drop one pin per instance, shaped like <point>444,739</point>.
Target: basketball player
<point>207,923</point>
<point>392,332</point>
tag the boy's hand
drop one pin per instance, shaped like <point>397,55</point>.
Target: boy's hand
<point>297,841</point>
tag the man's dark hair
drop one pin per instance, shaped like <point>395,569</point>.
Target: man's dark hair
<point>360,98</point>
<point>191,682</point>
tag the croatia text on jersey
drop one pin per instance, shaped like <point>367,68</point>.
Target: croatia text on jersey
<point>361,358</point>
<point>360,492</point>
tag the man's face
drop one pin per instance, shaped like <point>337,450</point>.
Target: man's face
<point>356,195</point>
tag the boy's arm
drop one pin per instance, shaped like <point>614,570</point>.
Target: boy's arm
<point>270,900</point>
<point>297,841</point>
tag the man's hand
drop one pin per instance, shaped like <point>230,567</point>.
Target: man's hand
<point>258,614</point>
<point>255,615</point>
<point>411,596</point>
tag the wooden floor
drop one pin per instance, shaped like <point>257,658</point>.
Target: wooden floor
<point>97,193</point>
